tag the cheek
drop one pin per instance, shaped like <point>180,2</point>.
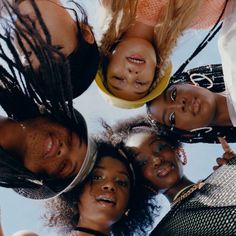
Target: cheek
<point>149,175</point>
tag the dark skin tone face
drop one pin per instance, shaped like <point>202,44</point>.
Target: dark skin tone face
<point>186,106</point>
<point>44,147</point>
<point>157,159</point>
<point>60,24</point>
<point>105,197</point>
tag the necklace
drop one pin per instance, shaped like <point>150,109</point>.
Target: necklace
<point>89,231</point>
<point>185,192</point>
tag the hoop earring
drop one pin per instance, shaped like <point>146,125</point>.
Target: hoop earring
<point>181,155</point>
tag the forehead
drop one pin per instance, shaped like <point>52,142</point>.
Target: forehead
<point>112,165</point>
<point>140,139</point>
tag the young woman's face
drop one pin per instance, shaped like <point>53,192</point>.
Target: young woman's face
<point>131,69</point>
<point>61,26</point>
<point>51,149</point>
<point>157,160</point>
<point>104,199</point>
<point>184,106</point>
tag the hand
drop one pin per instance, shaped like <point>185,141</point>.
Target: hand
<point>228,155</point>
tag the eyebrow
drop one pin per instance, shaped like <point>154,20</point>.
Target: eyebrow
<point>120,172</point>
<point>153,140</point>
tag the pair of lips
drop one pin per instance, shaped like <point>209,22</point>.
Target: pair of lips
<point>136,59</point>
<point>51,146</point>
<point>195,106</point>
<point>164,169</point>
<point>106,200</point>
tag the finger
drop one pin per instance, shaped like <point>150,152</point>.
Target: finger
<point>228,155</point>
<point>224,144</point>
<point>215,167</point>
<point>220,161</point>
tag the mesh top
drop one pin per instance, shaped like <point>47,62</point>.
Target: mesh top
<point>208,211</point>
<point>148,12</point>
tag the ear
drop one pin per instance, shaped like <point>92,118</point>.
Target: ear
<point>88,34</point>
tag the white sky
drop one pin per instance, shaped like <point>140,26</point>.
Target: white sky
<point>19,213</point>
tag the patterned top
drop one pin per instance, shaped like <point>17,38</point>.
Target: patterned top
<point>148,12</point>
<point>210,210</point>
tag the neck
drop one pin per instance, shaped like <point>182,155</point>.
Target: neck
<point>11,132</point>
<point>222,117</point>
<point>171,192</point>
<point>140,30</point>
<point>82,231</point>
<point>103,229</point>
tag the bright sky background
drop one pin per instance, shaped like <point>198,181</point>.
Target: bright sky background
<point>18,213</point>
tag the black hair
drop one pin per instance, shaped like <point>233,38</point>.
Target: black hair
<point>22,91</point>
<point>62,212</point>
<point>82,63</point>
<point>210,77</point>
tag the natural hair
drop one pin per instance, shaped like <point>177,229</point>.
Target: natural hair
<point>62,212</point>
<point>176,16</point>
<point>119,133</point>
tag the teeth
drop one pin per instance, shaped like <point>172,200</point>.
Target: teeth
<point>106,200</point>
<point>137,61</point>
<point>49,146</point>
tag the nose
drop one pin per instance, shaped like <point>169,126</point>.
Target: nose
<point>132,70</point>
<point>109,186</point>
<point>180,105</point>
<point>183,104</point>
<point>156,161</point>
<point>61,149</point>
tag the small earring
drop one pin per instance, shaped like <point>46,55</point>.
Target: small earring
<point>182,155</point>
<point>127,212</point>
<point>151,189</point>
<point>22,126</point>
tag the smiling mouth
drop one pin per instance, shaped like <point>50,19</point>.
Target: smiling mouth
<point>164,169</point>
<point>136,59</point>
<point>51,146</point>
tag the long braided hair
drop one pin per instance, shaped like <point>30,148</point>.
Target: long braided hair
<point>23,95</point>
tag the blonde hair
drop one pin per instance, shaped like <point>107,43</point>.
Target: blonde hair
<point>175,18</point>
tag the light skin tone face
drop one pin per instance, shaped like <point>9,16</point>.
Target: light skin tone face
<point>61,26</point>
<point>157,160</point>
<point>185,106</point>
<point>45,147</point>
<point>131,69</point>
<point>104,199</point>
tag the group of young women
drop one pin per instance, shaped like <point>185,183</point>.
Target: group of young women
<point>106,184</point>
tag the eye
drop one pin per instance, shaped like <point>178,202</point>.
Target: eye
<point>139,82</point>
<point>122,183</point>
<point>141,160</point>
<point>97,177</point>
<point>173,94</point>
<point>172,119</point>
<point>160,147</point>
<point>118,78</point>
<point>58,47</point>
<point>142,163</point>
